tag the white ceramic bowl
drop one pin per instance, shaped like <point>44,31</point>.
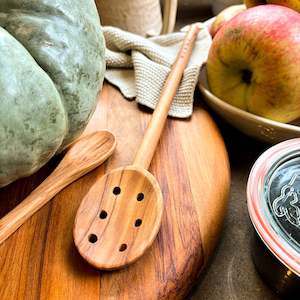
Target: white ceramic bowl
<point>255,126</point>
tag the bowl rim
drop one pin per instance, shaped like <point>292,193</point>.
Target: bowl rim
<point>255,187</point>
<point>203,85</point>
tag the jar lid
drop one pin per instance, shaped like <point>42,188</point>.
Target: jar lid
<point>273,197</point>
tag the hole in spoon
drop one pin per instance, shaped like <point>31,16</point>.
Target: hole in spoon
<point>138,222</point>
<point>140,197</point>
<point>123,247</point>
<point>93,238</point>
<point>103,215</point>
<point>117,190</point>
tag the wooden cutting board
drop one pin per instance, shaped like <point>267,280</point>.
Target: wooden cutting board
<point>40,260</point>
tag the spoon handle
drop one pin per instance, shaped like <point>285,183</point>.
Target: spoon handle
<point>82,157</point>
<point>146,151</point>
<point>31,204</point>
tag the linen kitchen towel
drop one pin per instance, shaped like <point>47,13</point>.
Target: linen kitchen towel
<point>139,66</point>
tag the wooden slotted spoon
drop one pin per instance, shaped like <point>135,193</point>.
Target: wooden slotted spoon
<point>120,217</point>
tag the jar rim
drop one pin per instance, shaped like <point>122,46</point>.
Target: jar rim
<point>255,189</point>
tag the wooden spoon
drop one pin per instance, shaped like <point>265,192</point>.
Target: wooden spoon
<point>120,217</point>
<point>83,156</point>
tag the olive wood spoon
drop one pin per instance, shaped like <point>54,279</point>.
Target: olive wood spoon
<point>82,157</point>
<point>120,216</point>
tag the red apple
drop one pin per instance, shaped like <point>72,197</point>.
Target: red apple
<point>254,62</point>
<point>224,16</point>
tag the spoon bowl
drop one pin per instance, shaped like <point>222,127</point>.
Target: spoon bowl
<point>115,216</point>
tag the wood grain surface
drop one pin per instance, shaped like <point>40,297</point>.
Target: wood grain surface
<point>40,260</point>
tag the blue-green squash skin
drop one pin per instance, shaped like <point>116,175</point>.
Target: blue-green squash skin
<point>52,67</point>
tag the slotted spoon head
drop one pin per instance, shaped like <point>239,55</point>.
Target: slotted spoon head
<point>119,218</point>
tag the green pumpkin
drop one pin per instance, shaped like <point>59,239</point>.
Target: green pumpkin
<point>51,69</point>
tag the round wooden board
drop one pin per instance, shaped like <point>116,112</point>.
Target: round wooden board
<point>191,165</point>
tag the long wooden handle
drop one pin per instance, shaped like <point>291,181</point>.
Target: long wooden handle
<point>146,151</point>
